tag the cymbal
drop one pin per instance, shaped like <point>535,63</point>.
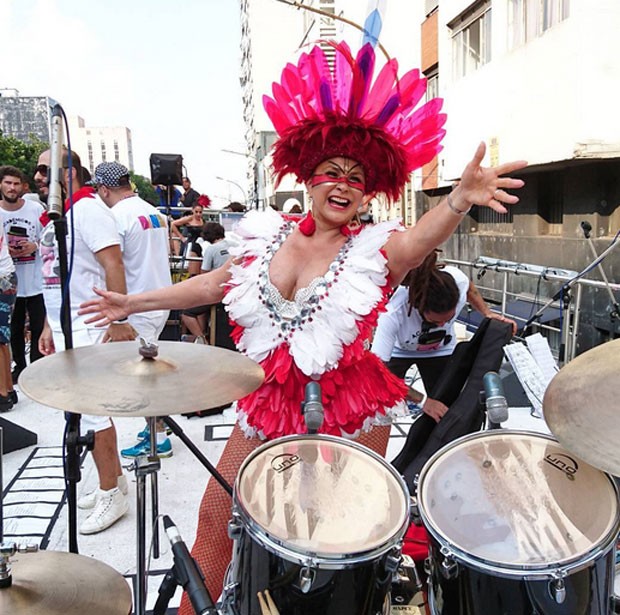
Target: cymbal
<point>582,407</point>
<point>114,380</point>
<point>56,583</point>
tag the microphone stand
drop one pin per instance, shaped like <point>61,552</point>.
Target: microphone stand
<point>74,443</point>
<point>615,311</point>
<point>565,295</point>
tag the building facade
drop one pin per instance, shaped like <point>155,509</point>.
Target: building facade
<point>25,116</point>
<point>96,144</point>
<point>534,79</point>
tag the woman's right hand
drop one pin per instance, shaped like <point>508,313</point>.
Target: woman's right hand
<point>109,307</point>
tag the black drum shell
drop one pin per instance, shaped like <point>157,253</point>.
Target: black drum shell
<point>474,592</point>
<point>361,589</point>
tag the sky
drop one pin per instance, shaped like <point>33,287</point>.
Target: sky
<point>168,70</point>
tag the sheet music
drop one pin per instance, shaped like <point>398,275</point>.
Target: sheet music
<point>539,348</point>
<point>529,373</point>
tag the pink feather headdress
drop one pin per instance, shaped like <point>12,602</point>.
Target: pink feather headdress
<point>320,115</point>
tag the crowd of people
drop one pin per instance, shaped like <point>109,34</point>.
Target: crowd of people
<point>304,295</point>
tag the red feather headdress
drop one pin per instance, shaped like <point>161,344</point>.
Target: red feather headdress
<point>204,200</point>
<point>320,115</point>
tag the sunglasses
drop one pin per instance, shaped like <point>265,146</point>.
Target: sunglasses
<point>42,169</point>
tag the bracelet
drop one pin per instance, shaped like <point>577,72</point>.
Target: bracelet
<point>456,210</point>
<point>122,321</point>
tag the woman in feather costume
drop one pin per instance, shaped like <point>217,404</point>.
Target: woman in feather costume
<point>304,298</point>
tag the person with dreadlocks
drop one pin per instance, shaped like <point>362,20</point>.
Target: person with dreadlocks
<point>418,326</point>
<point>305,296</point>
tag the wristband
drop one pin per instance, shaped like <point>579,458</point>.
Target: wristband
<point>455,209</point>
<point>122,321</point>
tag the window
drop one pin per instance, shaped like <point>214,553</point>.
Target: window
<point>471,39</point>
<point>528,19</point>
<point>103,152</point>
<point>117,157</point>
<point>432,83</point>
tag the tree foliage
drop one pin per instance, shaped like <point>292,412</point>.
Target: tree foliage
<point>145,188</point>
<point>21,154</point>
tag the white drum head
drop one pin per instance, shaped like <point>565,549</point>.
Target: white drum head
<point>516,499</point>
<point>322,495</point>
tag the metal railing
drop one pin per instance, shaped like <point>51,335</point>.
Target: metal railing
<point>568,303</point>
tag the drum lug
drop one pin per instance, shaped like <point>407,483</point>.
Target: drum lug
<point>557,588</point>
<point>306,579</point>
<point>235,528</point>
<point>393,560</point>
<point>449,567</point>
<point>414,511</point>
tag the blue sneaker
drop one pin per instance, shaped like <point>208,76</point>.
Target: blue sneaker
<point>414,408</point>
<point>145,434</point>
<point>144,448</point>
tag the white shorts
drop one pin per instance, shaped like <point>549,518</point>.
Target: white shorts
<point>81,338</point>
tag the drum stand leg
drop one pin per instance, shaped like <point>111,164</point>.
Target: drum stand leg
<point>177,431</point>
<point>143,466</point>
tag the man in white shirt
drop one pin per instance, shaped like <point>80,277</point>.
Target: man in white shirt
<point>144,242</point>
<point>97,261</point>
<point>22,226</point>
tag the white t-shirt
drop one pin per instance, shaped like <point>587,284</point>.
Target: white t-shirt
<point>398,333</point>
<point>6,262</point>
<point>144,242</point>
<point>95,229</point>
<point>27,266</point>
<point>214,255</point>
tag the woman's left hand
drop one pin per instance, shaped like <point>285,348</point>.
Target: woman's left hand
<point>486,186</point>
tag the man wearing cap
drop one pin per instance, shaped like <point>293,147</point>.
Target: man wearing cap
<point>96,261</point>
<point>144,242</point>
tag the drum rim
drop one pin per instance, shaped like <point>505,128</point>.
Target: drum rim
<point>505,569</point>
<point>295,554</point>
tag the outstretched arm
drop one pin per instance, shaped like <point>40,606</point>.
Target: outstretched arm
<point>480,305</point>
<point>479,185</point>
<point>199,290</point>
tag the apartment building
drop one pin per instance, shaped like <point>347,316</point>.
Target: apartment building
<point>96,144</point>
<point>534,79</point>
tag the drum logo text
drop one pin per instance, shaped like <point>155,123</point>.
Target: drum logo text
<point>564,463</point>
<point>280,463</point>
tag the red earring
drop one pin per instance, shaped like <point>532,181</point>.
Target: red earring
<point>307,226</point>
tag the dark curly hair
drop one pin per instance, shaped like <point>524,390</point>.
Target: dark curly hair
<point>430,288</point>
<point>212,231</point>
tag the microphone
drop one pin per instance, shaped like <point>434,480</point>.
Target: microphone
<point>586,227</point>
<point>496,404</point>
<point>312,407</point>
<point>54,200</point>
<point>188,573</point>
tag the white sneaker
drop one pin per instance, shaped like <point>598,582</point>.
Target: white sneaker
<point>88,500</point>
<point>110,507</point>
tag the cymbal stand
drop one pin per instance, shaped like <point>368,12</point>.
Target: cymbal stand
<point>145,465</point>
<point>74,444</point>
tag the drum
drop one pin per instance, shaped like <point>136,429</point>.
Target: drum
<point>317,525</point>
<point>518,526</point>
